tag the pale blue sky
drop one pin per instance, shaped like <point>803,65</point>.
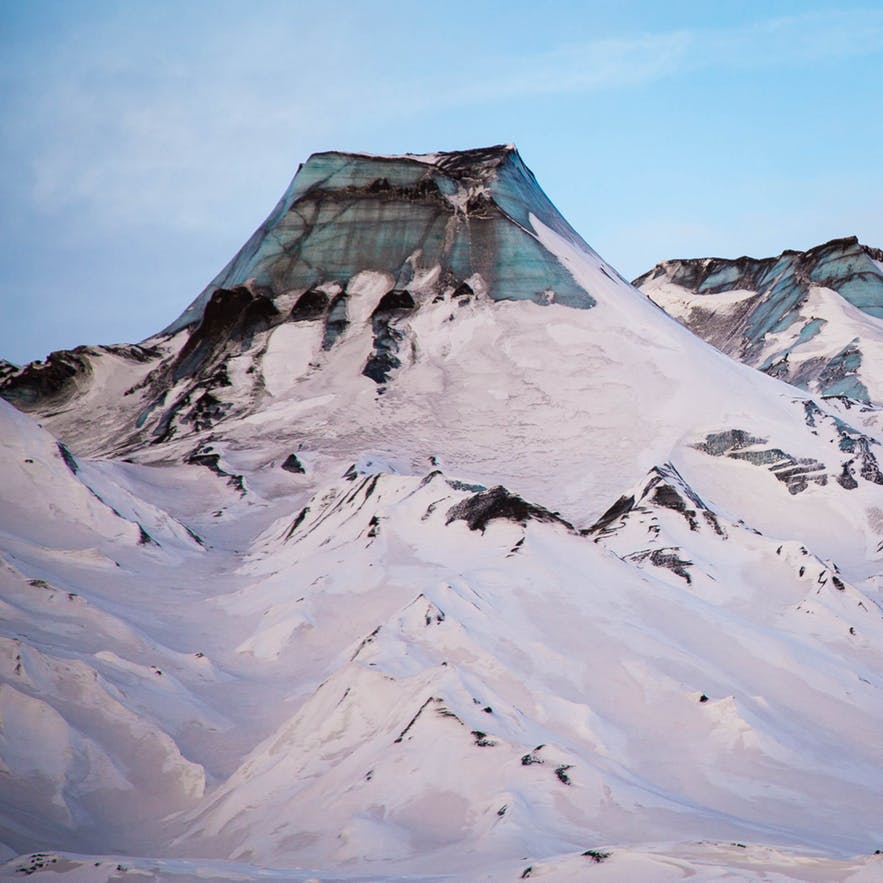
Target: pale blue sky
<point>143,141</point>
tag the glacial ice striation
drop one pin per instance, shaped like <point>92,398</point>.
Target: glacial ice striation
<point>466,212</point>
<point>812,318</point>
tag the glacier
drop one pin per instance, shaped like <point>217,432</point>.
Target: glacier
<point>812,318</point>
<point>464,213</point>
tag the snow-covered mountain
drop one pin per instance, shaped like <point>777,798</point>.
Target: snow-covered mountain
<point>422,544</point>
<point>813,318</point>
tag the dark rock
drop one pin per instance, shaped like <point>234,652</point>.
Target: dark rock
<point>293,464</point>
<point>211,460</point>
<point>424,190</point>
<point>596,855</point>
<point>795,472</point>
<point>373,526</point>
<point>667,558</point>
<point>498,502</point>
<point>413,721</point>
<point>69,459</point>
<point>310,305</point>
<point>869,469</point>
<point>6,369</point>
<point>380,365</point>
<point>379,185</point>
<point>621,507</point>
<point>481,206</point>
<point>464,485</point>
<point>720,443</point>
<point>297,522</point>
<point>231,319</point>
<point>711,518</point>
<point>397,299</point>
<point>666,496</point>
<point>144,538</point>
<point>39,382</point>
<point>335,322</point>
<point>561,772</point>
<point>845,479</point>
<point>383,360</point>
<point>206,411</point>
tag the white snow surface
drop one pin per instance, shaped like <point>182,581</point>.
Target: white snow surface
<point>328,675</point>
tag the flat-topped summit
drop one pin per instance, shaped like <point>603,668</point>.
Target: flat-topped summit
<point>466,212</point>
<point>474,163</point>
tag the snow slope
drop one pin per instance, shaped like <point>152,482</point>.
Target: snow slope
<point>398,571</point>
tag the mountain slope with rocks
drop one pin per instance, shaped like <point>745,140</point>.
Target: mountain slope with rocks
<point>810,318</point>
<point>421,543</point>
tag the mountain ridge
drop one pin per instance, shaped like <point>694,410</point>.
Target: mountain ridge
<point>813,319</point>
<point>838,242</point>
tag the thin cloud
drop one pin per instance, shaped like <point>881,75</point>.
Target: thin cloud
<point>125,135</point>
<point>585,67</point>
<point>607,64</point>
<point>793,40</point>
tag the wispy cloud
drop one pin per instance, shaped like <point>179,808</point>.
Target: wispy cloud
<point>794,40</point>
<point>609,64</point>
<point>124,130</point>
<point>591,66</point>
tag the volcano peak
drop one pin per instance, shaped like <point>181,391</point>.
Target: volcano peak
<point>465,212</point>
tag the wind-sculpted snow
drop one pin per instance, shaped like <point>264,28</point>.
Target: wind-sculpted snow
<point>392,573</point>
<point>811,318</point>
<point>396,736</point>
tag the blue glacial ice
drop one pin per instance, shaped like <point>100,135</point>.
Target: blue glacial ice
<point>468,212</point>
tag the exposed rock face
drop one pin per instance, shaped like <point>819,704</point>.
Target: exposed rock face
<point>229,323</point>
<point>63,374</point>
<point>6,368</point>
<point>41,381</point>
<point>393,305</point>
<point>465,212</point>
<point>497,502</point>
<point>795,472</point>
<point>293,464</point>
<point>805,317</point>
